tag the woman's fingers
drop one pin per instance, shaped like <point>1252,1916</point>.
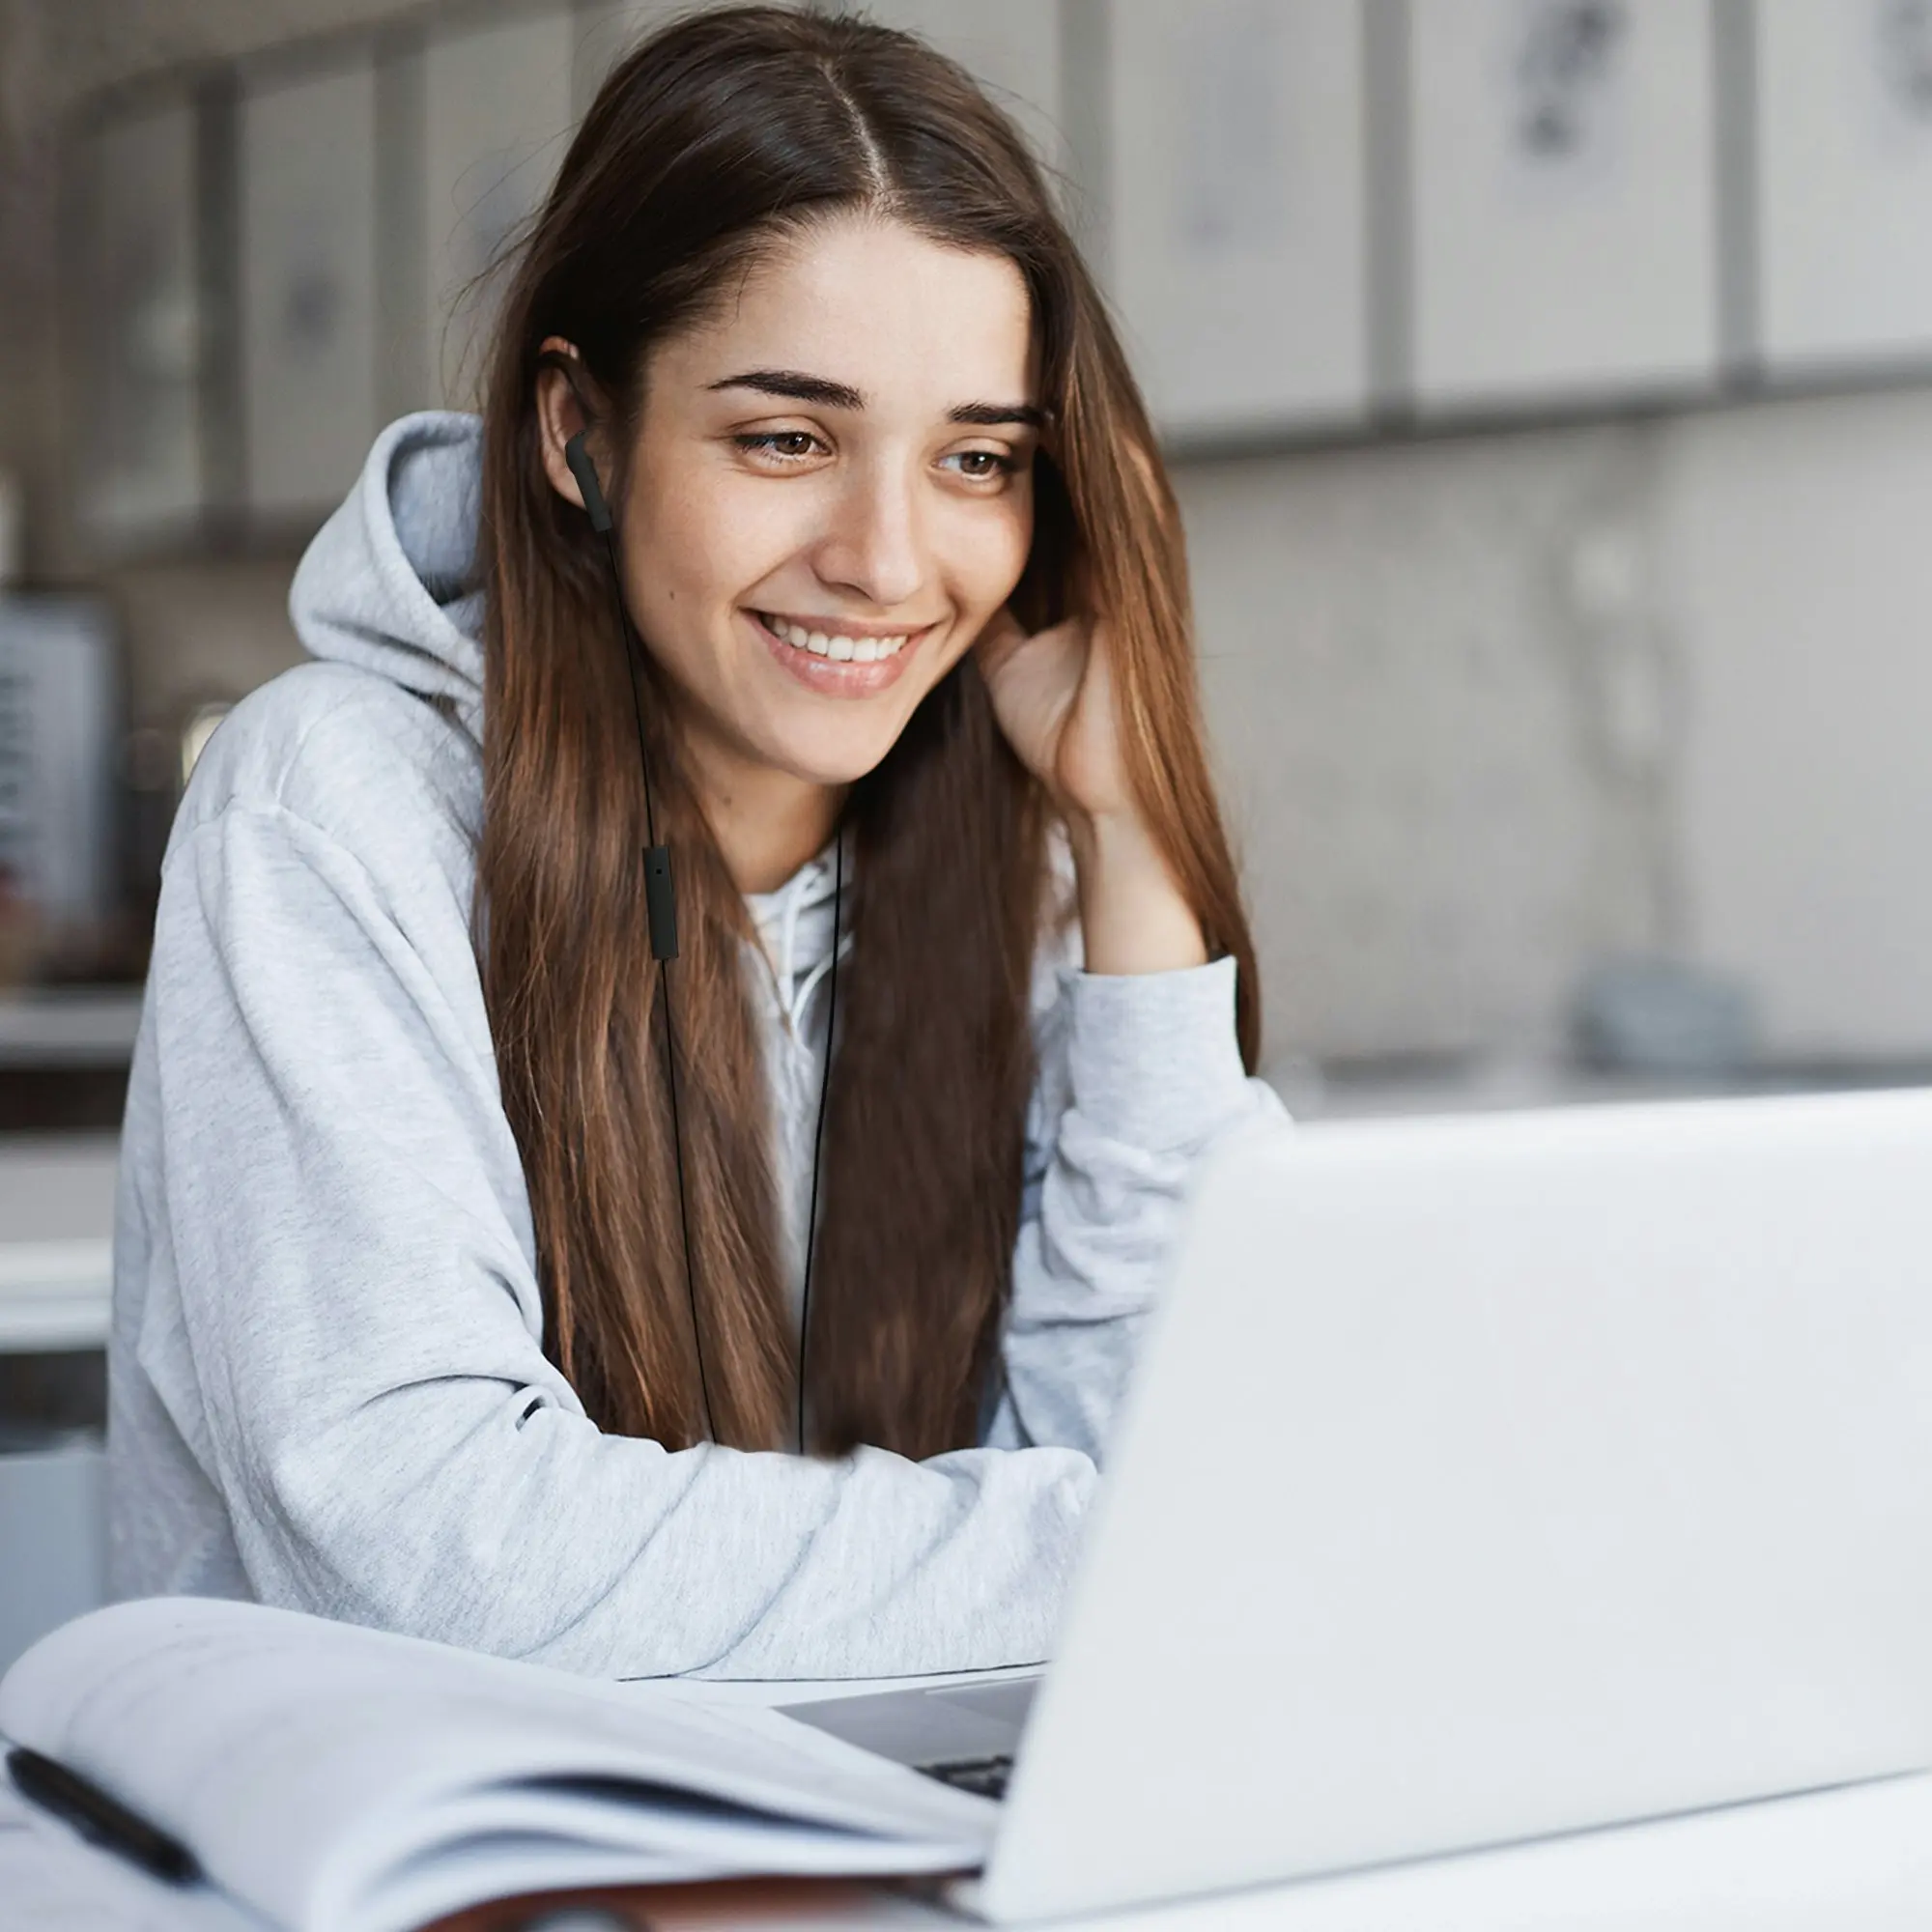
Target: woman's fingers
<point>1005,635</point>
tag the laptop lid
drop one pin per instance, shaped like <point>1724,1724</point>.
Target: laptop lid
<point>1494,1477</point>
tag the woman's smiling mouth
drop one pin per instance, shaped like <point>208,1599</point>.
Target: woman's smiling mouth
<point>837,657</point>
<point>841,646</point>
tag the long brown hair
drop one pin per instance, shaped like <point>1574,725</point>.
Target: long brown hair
<point>712,138</point>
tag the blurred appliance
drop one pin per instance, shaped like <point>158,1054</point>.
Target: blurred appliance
<point>1644,1014</point>
<point>59,701</point>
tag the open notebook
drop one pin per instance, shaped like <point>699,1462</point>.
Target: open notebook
<point>338,1780</point>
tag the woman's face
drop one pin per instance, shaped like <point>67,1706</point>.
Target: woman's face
<point>831,493</point>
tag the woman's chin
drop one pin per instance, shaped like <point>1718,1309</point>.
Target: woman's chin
<point>816,750</point>
<point>834,767</point>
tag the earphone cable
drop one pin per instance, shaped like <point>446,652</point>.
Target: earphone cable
<point>664,991</point>
<point>818,1133</point>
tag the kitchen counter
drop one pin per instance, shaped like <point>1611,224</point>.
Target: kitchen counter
<point>56,1240</point>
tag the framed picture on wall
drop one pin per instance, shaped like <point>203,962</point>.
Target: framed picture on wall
<point>1564,200</point>
<point>139,316</point>
<point>307,149</point>
<point>498,111</point>
<point>1235,211</point>
<point>1844,91</point>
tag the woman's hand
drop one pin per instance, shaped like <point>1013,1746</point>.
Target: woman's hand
<point>1054,696</point>
<point>1053,693</point>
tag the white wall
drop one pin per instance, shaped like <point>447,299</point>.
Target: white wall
<point>1405,700</point>
<point>1492,706</point>
<point>1799,569</point>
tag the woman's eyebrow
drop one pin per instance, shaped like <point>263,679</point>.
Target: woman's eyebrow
<point>800,388</point>
<point>797,387</point>
<point>994,416</point>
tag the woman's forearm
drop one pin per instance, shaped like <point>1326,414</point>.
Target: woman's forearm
<point>1132,916</point>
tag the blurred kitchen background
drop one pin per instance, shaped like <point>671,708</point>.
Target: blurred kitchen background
<point>1550,389</point>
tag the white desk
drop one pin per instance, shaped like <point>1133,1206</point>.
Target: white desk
<point>56,1272</point>
<point>1854,1860</point>
<point>56,1240</point>
<point>1857,1861</point>
<point>57,1191</point>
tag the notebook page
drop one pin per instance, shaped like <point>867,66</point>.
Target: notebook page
<point>304,1759</point>
<point>53,1880</point>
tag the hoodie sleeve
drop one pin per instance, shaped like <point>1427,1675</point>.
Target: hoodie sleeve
<point>348,1335</point>
<point>1140,1078</point>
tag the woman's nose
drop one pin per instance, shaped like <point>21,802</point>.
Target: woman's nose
<point>874,546</point>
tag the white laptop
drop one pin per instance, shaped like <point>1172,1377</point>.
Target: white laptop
<point>1485,1479</point>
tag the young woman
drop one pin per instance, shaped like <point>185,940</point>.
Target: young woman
<point>477,1277</point>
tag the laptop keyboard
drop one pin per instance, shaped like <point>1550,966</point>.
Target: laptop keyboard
<point>983,1776</point>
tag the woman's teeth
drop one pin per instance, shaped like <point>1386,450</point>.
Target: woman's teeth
<point>829,644</point>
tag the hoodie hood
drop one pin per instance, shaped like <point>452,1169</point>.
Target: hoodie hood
<point>389,582</point>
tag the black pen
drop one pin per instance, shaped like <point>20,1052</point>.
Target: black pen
<point>99,1819</point>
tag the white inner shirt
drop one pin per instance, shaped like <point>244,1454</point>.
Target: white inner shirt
<point>794,928</point>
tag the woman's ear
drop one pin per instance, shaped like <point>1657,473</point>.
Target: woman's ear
<point>560,412</point>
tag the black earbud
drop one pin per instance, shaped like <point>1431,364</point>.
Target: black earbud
<point>585,472</point>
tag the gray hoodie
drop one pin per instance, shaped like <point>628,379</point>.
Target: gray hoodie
<point>328,1389</point>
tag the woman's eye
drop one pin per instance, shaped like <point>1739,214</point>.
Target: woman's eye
<point>982,465</point>
<point>787,444</point>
